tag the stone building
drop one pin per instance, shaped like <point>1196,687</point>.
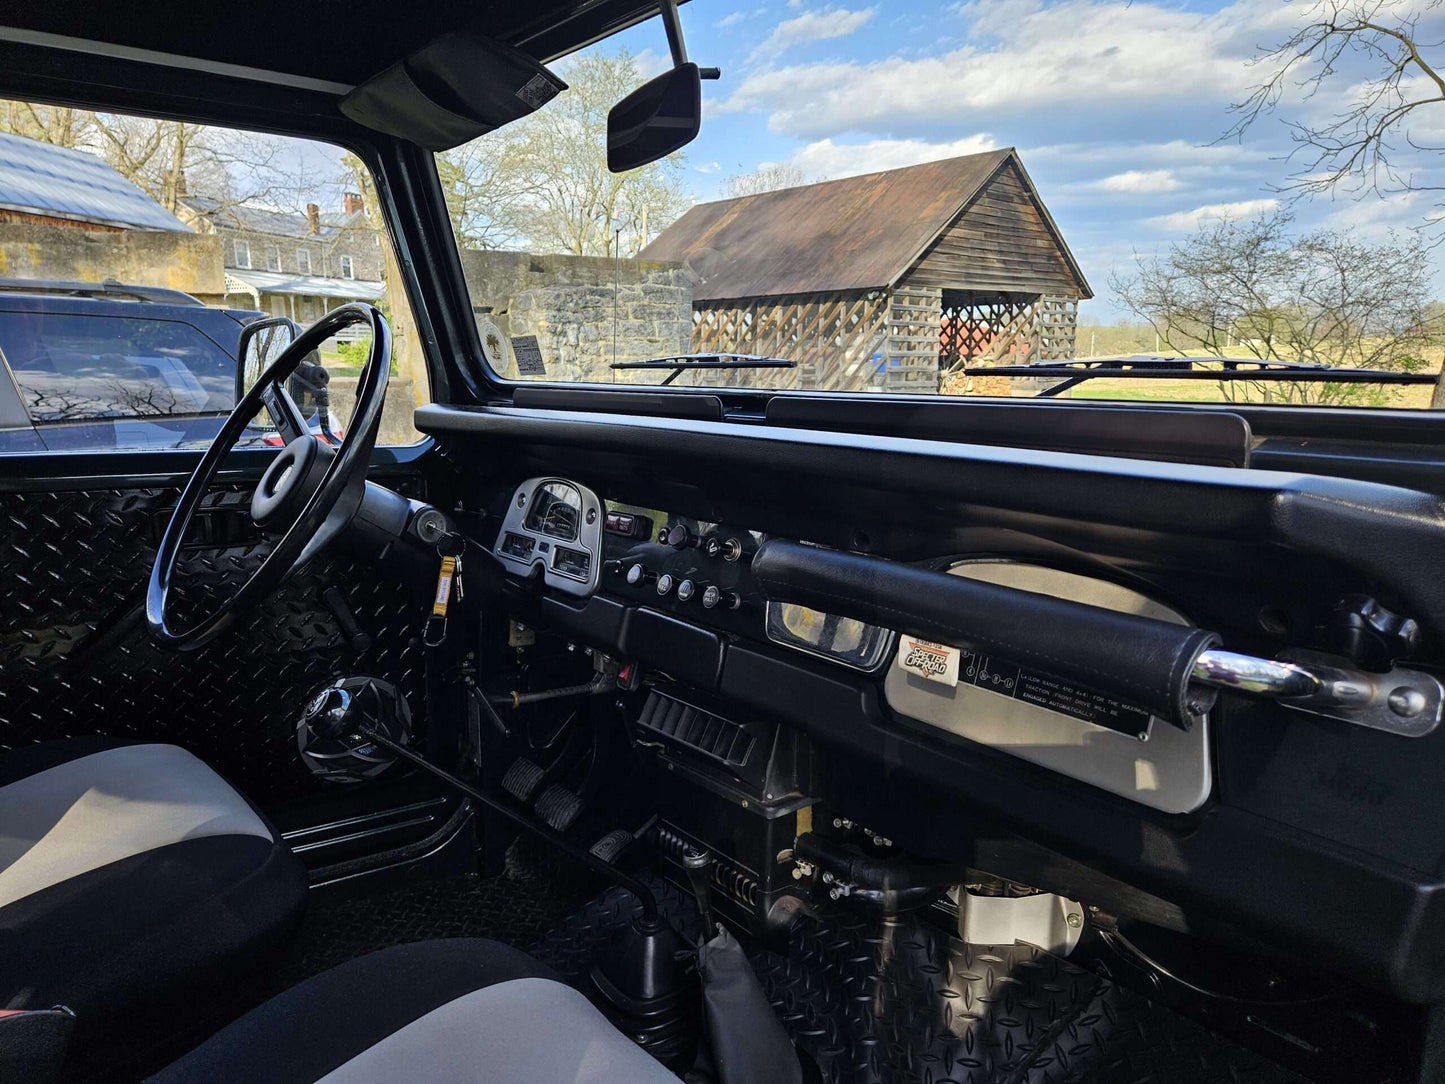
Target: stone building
<point>586,311</point>
<point>67,216</point>
<point>296,265</point>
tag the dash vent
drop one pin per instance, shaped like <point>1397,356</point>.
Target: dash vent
<point>697,729</point>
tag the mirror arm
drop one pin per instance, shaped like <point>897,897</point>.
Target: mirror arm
<point>673,25</point>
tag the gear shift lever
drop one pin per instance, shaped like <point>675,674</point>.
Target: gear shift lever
<point>698,865</point>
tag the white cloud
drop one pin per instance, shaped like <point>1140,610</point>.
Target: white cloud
<point>731,20</point>
<point>708,167</point>
<point>826,160</point>
<point>1184,221</point>
<point>1140,181</point>
<point>811,26</point>
<point>1100,52</point>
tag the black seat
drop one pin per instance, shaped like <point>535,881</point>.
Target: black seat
<point>432,1012</point>
<point>138,889</point>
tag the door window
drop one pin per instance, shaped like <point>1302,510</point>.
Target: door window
<point>127,280</point>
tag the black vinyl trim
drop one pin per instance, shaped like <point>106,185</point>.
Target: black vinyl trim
<point>1384,531</point>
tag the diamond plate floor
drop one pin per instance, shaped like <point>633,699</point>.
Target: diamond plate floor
<point>534,893</point>
<point>901,1002</point>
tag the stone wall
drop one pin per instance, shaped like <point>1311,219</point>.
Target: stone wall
<point>569,303</point>
<point>176,261</point>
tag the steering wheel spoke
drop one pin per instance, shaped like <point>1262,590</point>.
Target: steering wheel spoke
<point>285,414</point>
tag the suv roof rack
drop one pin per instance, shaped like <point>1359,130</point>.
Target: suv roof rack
<point>112,289</point>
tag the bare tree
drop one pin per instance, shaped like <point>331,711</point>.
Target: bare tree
<point>1354,150</point>
<point>1324,297</point>
<point>542,183</point>
<point>768,177</point>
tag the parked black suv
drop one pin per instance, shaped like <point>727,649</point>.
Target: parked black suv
<point>108,366</point>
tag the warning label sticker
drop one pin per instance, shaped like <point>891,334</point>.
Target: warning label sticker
<point>952,666</point>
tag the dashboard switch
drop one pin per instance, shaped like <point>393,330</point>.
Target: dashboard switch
<point>715,597</point>
<point>685,590</point>
<point>680,536</point>
<point>638,576</point>
<point>664,584</point>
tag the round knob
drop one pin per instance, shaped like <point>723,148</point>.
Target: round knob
<point>732,549</point>
<point>664,584</point>
<point>715,596</point>
<point>712,546</point>
<point>637,576</point>
<point>680,536</point>
<point>685,590</point>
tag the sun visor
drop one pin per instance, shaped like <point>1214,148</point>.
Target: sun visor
<point>454,88</point>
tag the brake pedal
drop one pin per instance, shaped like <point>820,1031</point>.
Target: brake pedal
<point>559,807</point>
<point>522,778</point>
<point>610,847</point>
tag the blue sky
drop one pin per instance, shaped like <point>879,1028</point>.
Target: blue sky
<point>1115,107</point>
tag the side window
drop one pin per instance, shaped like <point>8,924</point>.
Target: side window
<point>127,278</point>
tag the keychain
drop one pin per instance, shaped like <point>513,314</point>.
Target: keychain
<point>450,548</point>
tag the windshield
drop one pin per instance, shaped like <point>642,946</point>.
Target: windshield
<point>1088,200</point>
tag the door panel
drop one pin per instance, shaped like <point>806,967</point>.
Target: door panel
<point>75,657</point>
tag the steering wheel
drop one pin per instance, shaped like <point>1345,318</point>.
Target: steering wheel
<point>310,491</point>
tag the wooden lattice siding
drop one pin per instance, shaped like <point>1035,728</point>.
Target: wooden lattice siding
<point>913,340</point>
<point>1005,329</point>
<point>833,338</point>
<point>1001,242</point>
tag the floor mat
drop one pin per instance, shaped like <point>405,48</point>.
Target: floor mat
<point>899,1001</point>
<point>534,892</point>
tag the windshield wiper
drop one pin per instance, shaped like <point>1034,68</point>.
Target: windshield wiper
<point>681,363</point>
<point>1179,367</point>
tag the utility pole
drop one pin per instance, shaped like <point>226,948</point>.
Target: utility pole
<point>616,278</point>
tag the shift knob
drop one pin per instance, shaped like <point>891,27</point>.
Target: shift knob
<point>698,865</point>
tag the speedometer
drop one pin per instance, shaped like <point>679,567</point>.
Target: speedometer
<point>556,511</point>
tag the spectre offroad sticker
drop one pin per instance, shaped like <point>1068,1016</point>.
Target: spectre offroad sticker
<point>930,661</point>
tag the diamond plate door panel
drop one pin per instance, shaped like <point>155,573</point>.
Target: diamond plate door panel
<point>75,567</point>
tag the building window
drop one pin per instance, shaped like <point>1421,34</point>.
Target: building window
<point>308,308</point>
<point>273,258</point>
<point>243,253</point>
<point>303,261</point>
<point>348,271</point>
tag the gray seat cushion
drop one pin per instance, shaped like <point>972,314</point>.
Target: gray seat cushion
<point>139,889</point>
<point>86,813</point>
<point>432,1012</point>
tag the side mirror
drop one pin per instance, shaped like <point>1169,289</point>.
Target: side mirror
<point>659,117</point>
<point>262,342</point>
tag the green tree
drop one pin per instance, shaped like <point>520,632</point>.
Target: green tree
<point>1323,297</point>
<point>542,183</point>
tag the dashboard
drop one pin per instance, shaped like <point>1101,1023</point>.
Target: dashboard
<point>698,574</point>
<point>1256,825</point>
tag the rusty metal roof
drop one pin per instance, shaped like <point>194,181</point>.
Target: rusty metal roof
<point>857,233</point>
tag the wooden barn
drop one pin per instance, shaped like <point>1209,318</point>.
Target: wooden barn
<point>886,280</point>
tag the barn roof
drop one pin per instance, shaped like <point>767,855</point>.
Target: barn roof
<point>58,182</point>
<point>857,233</point>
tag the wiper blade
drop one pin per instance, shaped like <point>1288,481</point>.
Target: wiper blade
<point>1180,367</point>
<point>681,363</point>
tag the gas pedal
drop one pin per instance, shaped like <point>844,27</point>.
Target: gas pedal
<point>559,807</point>
<point>610,847</point>
<point>522,778</point>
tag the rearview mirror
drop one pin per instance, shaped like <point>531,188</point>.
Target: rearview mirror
<point>659,117</point>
